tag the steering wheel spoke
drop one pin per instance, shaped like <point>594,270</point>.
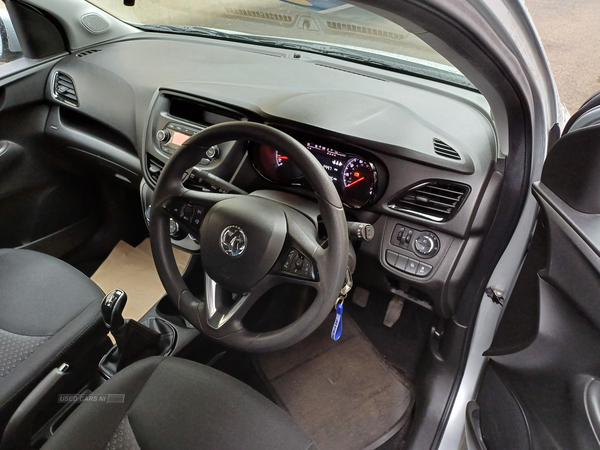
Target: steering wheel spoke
<point>225,310</point>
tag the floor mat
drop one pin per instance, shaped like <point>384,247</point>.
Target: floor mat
<point>402,345</point>
<point>342,394</point>
<point>132,269</point>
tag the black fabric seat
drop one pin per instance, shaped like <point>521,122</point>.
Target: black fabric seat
<point>172,403</point>
<point>49,315</point>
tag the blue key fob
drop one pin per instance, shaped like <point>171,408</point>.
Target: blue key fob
<point>336,332</point>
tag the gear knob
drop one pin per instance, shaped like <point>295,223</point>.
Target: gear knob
<point>112,307</point>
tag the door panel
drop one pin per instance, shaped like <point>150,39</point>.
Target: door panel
<point>541,389</point>
<point>45,205</point>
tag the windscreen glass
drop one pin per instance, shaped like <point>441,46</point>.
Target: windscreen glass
<point>323,26</point>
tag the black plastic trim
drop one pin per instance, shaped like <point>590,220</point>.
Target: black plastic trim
<point>40,34</point>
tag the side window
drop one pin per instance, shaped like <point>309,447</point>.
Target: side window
<point>10,49</point>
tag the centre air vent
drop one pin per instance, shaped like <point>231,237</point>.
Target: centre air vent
<point>63,89</point>
<point>443,149</point>
<point>155,167</point>
<point>436,200</point>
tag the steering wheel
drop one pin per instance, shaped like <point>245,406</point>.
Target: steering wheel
<point>250,244</point>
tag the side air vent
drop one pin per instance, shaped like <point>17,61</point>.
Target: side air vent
<point>88,52</point>
<point>64,89</point>
<point>155,167</point>
<point>443,149</point>
<point>436,200</point>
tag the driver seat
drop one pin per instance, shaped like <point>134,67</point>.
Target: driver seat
<point>172,403</point>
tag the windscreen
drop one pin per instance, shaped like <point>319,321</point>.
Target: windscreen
<point>325,26</point>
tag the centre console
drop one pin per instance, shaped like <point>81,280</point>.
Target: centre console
<point>173,119</point>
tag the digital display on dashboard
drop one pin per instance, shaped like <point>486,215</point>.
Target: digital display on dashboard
<point>332,160</point>
<point>354,176</point>
<point>178,138</point>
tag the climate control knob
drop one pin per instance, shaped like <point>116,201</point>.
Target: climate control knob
<point>163,136</point>
<point>426,244</point>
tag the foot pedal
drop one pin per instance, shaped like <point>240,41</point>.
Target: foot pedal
<point>393,311</point>
<point>360,297</point>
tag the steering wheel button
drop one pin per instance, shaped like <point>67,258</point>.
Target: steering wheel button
<point>289,259</point>
<point>197,217</point>
<point>306,269</point>
<point>187,212</point>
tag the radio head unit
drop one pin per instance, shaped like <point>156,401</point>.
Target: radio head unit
<point>173,135</point>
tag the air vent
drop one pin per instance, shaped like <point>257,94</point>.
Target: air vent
<point>88,52</point>
<point>340,26</point>
<point>259,14</point>
<point>443,149</point>
<point>434,200</point>
<point>64,89</point>
<point>155,167</point>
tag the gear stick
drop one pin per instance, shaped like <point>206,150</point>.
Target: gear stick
<point>134,340</point>
<point>112,308</point>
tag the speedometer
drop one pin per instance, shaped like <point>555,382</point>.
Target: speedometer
<point>359,182</point>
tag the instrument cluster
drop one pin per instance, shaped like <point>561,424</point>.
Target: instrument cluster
<point>354,176</point>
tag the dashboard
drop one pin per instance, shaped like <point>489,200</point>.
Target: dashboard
<point>414,158</point>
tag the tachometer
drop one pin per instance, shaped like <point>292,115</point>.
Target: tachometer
<point>277,166</point>
<point>359,181</point>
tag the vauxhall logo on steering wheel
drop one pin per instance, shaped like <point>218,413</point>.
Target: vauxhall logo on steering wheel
<point>233,241</point>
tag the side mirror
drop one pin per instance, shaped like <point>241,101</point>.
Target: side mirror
<point>10,49</point>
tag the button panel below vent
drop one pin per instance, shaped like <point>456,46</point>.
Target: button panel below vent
<point>433,200</point>
<point>63,89</point>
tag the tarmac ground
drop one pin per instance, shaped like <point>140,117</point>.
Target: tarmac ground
<point>570,32</point>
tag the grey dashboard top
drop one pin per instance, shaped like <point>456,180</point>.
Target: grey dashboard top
<point>116,86</point>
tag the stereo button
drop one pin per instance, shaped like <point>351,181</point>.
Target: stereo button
<point>163,136</point>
